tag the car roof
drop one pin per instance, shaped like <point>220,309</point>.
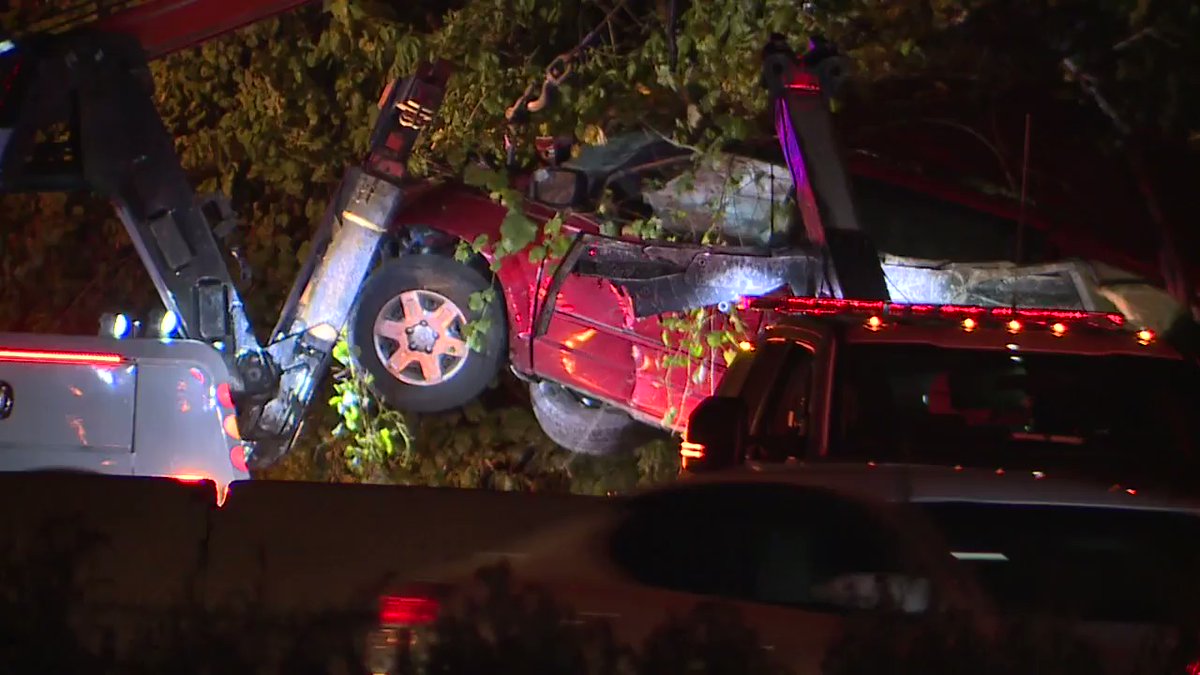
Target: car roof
<point>948,334</point>
<point>918,483</point>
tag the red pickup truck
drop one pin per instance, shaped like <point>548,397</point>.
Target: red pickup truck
<point>1046,391</point>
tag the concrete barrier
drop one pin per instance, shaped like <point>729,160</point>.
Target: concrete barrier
<point>282,546</point>
<point>312,546</point>
<point>132,541</point>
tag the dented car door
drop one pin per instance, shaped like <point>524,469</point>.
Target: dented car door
<point>603,327</point>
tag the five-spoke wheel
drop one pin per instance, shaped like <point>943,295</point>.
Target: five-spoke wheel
<point>408,331</point>
<point>419,335</point>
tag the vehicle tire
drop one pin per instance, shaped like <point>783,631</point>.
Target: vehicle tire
<point>407,333</point>
<point>589,429</point>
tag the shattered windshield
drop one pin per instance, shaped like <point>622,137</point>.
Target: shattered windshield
<point>920,402</point>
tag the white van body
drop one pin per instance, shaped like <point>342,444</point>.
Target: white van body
<point>143,407</point>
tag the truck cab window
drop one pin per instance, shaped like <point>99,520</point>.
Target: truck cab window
<point>979,407</point>
<point>782,427</point>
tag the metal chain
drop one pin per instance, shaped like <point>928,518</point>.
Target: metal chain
<point>558,70</point>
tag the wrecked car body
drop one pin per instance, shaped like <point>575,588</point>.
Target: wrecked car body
<point>596,323</point>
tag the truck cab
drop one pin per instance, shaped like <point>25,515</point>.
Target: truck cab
<point>141,407</point>
<point>1001,387</point>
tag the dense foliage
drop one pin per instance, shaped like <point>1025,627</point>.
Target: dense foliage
<point>272,115</point>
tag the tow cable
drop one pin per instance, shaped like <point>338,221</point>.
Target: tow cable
<point>538,97</point>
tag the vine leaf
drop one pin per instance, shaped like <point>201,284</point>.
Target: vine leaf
<point>516,231</point>
<point>483,177</point>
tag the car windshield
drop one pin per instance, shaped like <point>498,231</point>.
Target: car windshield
<point>1094,564</point>
<point>903,402</point>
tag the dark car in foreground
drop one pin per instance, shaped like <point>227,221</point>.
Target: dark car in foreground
<point>801,550</point>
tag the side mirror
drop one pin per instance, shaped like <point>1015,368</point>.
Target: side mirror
<point>716,435</point>
<point>559,187</point>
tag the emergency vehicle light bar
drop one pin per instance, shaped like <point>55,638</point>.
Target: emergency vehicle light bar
<point>68,358</point>
<point>971,315</point>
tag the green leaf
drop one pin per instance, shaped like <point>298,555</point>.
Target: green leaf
<point>462,251</point>
<point>483,177</point>
<point>669,417</point>
<point>341,352</point>
<point>477,302</point>
<point>517,231</point>
<point>559,246</point>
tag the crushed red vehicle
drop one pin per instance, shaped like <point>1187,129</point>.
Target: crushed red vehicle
<point>587,331</point>
<point>591,332</point>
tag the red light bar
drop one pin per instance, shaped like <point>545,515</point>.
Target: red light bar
<point>826,306</point>
<point>71,358</point>
<point>804,81</point>
<point>237,457</point>
<point>407,610</point>
<point>224,395</point>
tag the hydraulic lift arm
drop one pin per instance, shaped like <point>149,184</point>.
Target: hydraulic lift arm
<point>799,88</point>
<point>78,114</point>
<point>343,253</point>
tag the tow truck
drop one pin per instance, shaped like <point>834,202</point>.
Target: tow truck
<point>120,407</point>
<point>1007,388</point>
<point>89,71</point>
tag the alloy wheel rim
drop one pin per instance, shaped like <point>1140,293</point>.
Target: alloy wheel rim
<point>419,337</point>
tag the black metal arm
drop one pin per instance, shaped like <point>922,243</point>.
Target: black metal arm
<point>79,115</point>
<point>799,87</point>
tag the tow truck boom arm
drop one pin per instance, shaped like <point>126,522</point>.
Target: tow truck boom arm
<point>799,87</point>
<point>89,74</point>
